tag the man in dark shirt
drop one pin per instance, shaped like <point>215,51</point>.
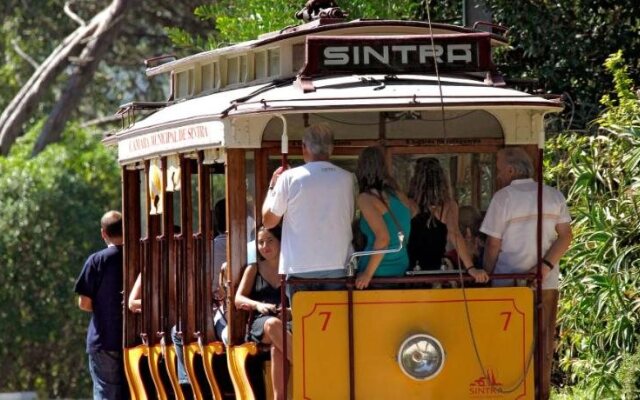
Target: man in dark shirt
<point>99,287</point>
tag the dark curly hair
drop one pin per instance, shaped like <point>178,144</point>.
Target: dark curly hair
<point>429,185</point>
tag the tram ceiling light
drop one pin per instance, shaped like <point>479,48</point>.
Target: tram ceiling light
<point>421,357</point>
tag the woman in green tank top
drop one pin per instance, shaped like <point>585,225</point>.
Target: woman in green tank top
<point>384,211</point>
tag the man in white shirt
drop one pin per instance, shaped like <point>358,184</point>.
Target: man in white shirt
<point>511,227</point>
<point>316,204</point>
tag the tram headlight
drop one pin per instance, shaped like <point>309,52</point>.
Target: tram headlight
<point>421,357</point>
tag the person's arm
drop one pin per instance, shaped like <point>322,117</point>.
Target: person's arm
<point>455,237</point>
<point>269,219</point>
<point>135,297</point>
<point>243,301</point>
<point>491,251</point>
<point>372,214</point>
<point>557,249</point>
<point>275,199</point>
<point>85,303</point>
<point>86,286</point>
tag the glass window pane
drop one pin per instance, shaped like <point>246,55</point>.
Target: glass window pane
<point>274,62</point>
<point>232,70</point>
<point>261,65</point>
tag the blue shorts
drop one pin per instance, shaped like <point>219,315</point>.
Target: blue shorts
<point>107,374</point>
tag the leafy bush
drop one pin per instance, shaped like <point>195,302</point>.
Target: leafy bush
<point>49,223</point>
<point>601,285</point>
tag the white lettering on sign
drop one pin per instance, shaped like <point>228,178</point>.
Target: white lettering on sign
<point>366,55</point>
<point>370,51</point>
<point>404,52</point>
<point>336,55</point>
<point>426,53</point>
<point>459,52</point>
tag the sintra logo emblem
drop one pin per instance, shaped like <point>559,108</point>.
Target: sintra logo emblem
<point>486,386</point>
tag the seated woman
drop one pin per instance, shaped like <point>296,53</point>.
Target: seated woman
<point>259,290</point>
<point>436,221</point>
<point>384,212</point>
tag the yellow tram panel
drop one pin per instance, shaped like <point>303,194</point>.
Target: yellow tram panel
<point>499,321</point>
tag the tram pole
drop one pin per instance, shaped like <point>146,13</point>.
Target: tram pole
<point>283,318</point>
<point>539,316</point>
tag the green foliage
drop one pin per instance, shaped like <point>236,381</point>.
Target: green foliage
<point>601,285</point>
<point>629,376</point>
<point>564,44</point>
<point>624,109</point>
<point>49,223</point>
<point>241,20</point>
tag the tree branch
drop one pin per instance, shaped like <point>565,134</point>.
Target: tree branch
<point>88,61</point>
<point>67,10</point>
<point>23,54</point>
<point>110,119</point>
<point>18,110</point>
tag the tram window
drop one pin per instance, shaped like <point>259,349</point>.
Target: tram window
<point>273,56</point>
<point>217,187</point>
<point>261,64</point>
<point>232,71</point>
<point>208,78</point>
<point>470,175</point>
<point>250,171</point>
<point>243,69</point>
<point>428,125</point>
<point>184,84</point>
<point>176,210</point>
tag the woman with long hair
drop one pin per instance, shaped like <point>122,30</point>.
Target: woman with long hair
<point>436,222</point>
<point>259,290</point>
<point>384,212</point>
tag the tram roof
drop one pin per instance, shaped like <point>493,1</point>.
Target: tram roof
<point>319,27</point>
<point>351,93</point>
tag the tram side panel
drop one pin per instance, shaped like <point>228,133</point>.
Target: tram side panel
<point>498,320</point>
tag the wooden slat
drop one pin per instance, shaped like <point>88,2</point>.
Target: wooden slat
<point>206,232</point>
<point>236,193</point>
<point>131,221</point>
<point>189,277</point>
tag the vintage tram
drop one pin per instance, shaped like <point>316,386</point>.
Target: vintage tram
<point>414,88</point>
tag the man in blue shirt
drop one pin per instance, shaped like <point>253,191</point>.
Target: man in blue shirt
<point>99,287</point>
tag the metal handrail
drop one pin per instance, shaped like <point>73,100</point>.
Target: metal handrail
<point>352,265</point>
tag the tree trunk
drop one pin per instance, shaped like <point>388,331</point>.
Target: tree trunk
<point>88,62</point>
<point>101,31</point>
<point>21,106</point>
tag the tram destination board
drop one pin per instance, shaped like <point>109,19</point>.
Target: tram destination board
<point>328,55</point>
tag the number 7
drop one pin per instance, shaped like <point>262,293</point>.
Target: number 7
<point>506,321</point>
<point>327,316</point>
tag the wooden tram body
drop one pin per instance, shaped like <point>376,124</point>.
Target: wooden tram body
<point>220,136</point>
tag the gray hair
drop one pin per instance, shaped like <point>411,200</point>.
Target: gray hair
<point>318,139</point>
<point>519,160</point>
